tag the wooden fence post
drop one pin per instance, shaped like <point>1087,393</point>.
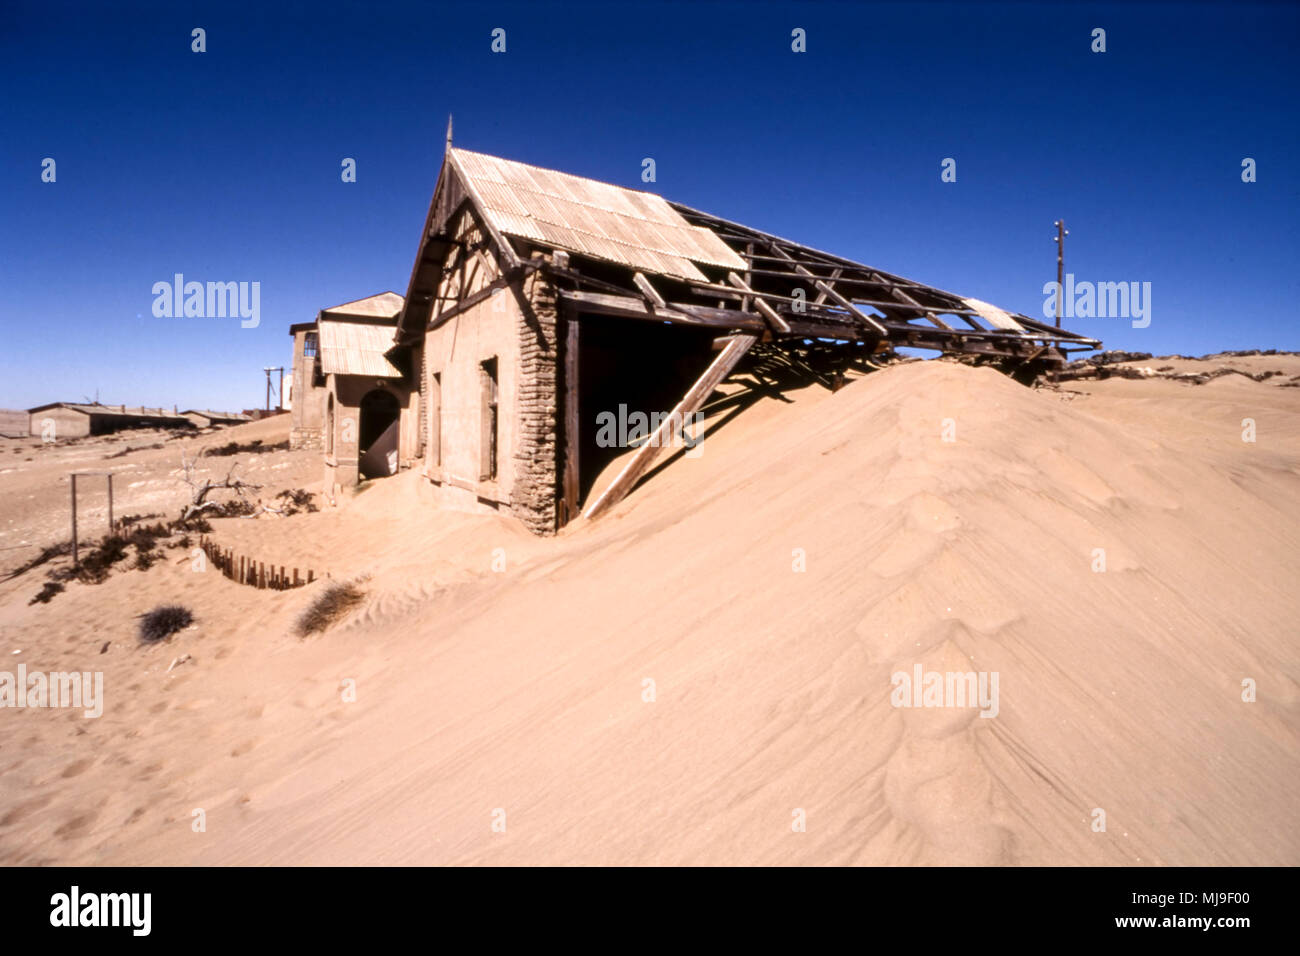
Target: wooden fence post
<point>74,521</point>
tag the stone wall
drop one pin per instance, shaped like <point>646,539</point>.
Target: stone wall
<point>534,497</point>
<point>309,438</point>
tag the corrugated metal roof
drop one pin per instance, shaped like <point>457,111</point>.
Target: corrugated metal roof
<point>384,305</point>
<point>352,348</point>
<point>132,411</point>
<point>994,316</point>
<point>635,229</point>
<point>220,416</point>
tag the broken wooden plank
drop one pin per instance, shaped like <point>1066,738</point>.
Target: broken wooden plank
<point>695,397</point>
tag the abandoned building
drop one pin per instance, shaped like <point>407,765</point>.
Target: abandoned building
<point>77,420</point>
<point>349,398</point>
<point>206,418</point>
<point>14,423</point>
<point>539,300</point>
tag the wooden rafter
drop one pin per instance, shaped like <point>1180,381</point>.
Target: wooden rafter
<point>778,324</point>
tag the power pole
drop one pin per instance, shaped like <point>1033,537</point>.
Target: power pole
<point>268,370</point>
<point>1059,239</point>
<point>1061,233</point>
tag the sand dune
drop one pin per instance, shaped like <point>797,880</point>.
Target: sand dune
<point>521,695</point>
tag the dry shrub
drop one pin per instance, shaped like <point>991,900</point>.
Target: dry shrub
<point>164,621</point>
<point>296,500</point>
<point>330,605</point>
<point>234,508</point>
<point>255,447</point>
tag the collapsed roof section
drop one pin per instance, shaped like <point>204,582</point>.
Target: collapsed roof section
<point>621,252</point>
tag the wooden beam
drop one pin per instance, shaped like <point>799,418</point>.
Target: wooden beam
<point>480,213</point>
<point>834,276</point>
<point>695,397</point>
<point>630,307</point>
<point>571,473</point>
<point>649,291</point>
<point>830,291</point>
<point>633,307</point>
<point>769,313</point>
<point>500,282</point>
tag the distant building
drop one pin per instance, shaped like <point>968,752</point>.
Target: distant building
<point>206,418</point>
<point>14,423</point>
<point>349,399</point>
<point>76,420</point>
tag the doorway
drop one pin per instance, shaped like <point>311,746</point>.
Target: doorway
<point>380,417</point>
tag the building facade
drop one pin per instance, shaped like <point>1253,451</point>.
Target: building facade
<point>351,401</point>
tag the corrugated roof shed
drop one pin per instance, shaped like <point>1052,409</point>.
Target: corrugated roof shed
<point>14,423</point>
<point>218,416</point>
<point>351,348</point>
<point>383,305</point>
<point>130,411</point>
<point>624,226</point>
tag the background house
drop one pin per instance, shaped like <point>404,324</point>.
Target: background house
<point>205,418</point>
<point>14,423</point>
<point>350,399</point>
<point>76,420</point>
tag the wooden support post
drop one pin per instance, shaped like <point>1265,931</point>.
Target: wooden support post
<point>110,502</point>
<point>718,369</point>
<point>769,313</point>
<point>311,575</point>
<point>295,577</point>
<point>648,290</point>
<point>571,424</point>
<point>74,520</point>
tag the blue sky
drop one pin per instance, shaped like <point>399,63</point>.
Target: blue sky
<point>225,165</point>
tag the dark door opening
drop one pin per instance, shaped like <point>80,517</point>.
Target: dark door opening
<point>380,413</point>
<point>626,366</point>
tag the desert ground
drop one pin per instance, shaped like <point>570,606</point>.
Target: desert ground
<point>703,675</point>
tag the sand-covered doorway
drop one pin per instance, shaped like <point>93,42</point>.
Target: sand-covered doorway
<point>380,418</point>
<point>629,370</point>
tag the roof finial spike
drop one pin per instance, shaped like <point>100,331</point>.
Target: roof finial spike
<point>449,132</point>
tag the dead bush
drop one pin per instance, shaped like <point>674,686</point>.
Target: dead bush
<point>295,500</point>
<point>164,621</point>
<point>254,447</point>
<point>330,605</point>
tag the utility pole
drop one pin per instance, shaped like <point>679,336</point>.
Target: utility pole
<point>268,369</point>
<point>1061,233</point>
<point>1059,239</point>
